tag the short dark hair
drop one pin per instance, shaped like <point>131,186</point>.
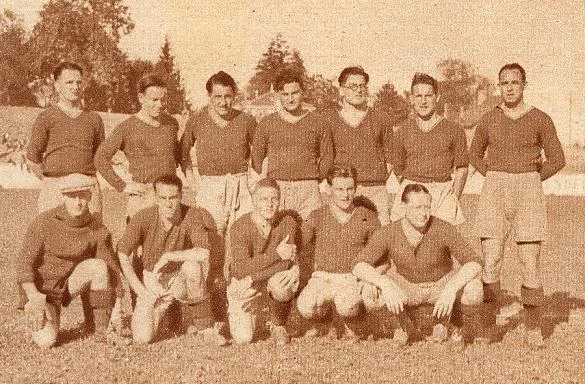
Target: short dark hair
<point>65,65</point>
<point>413,188</point>
<point>511,67</point>
<point>423,78</point>
<point>347,72</point>
<point>221,78</point>
<point>287,77</point>
<point>168,180</point>
<point>341,170</point>
<point>267,182</point>
<point>150,80</point>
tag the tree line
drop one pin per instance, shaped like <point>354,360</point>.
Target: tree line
<point>88,32</point>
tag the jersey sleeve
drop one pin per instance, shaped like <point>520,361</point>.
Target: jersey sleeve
<point>260,145</point>
<point>32,251</point>
<point>133,234</point>
<point>39,138</point>
<point>104,154</point>
<point>461,154</point>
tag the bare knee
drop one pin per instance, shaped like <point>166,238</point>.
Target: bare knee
<point>191,269</point>
<point>280,292</point>
<point>309,305</point>
<point>45,338</point>
<point>348,304</point>
<point>98,272</point>
<point>472,293</point>
<point>241,328</point>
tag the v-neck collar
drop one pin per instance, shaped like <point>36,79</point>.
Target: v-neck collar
<point>432,128</point>
<point>515,118</point>
<point>368,110</point>
<point>63,111</point>
<point>335,217</point>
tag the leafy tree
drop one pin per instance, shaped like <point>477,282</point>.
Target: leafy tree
<point>176,102</point>
<point>278,57</point>
<point>86,32</point>
<point>388,100</point>
<point>13,66</point>
<point>460,87</point>
<point>322,93</point>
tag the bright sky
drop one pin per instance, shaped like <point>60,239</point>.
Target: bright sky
<point>391,39</point>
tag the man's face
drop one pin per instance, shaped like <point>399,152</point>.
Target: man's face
<point>152,101</point>
<point>424,100</point>
<point>343,192</point>
<point>355,90</point>
<point>512,86</point>
<point>221,99</point>
<point>168,200</point>
<point>291,96</point>
<point>266,202</point>
<point>418,209</point>
<point>69,85</point>
<point>77,203</point>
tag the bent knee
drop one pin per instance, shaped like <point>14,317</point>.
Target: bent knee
<point>348,305</point>
<point>280,292</point>
<point>310,307</point>
<point>191,269</point>
<point>472,293</point>
<point>242,330</point>
<point>45,337</point>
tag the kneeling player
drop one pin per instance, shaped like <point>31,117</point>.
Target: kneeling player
<point>66,253</point>
<point>423,247</point>
<point>338,232</point>
<point>175,256</point>
<point>263,264</point>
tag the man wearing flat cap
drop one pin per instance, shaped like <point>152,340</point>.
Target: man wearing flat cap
<point>66,252</point>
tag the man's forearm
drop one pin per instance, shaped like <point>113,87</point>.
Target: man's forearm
<point>193,255</point>
<point>459,181</point>
<point>466,273</point>
<point>370,274</point>
<point>128,271</point>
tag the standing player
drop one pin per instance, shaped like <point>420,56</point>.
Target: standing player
<point>67,252</point>
<point>175,257</point>
<point>222,137</point>
<point>513,135</point>
<point>363,139</point>
<point>263,251</point>
<point>432,151</point>
<point>424,249</point>
<point>339,232</point>
<point>149,142</point>
<point>298,146</point>
<point>64,139</point>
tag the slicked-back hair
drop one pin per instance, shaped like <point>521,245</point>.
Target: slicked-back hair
<point>221,78</point>
<point>423,78</point>
<point>349,71</point>
<point>413,188</point>
<point>168,180</point>
<point>288,77</point>
<point>341,170</point>
<point>150,80</point>
<point>511,67</point>
<point>65,65</point>
<point>267,182</point>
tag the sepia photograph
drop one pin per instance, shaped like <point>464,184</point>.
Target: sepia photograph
<point>292,192</point>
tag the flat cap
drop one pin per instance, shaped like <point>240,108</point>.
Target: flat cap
<point>75,182</point>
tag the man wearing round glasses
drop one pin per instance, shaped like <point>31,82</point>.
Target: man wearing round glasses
<point>363,138</point>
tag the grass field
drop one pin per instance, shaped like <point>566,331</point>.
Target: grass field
<point>186,359</point>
